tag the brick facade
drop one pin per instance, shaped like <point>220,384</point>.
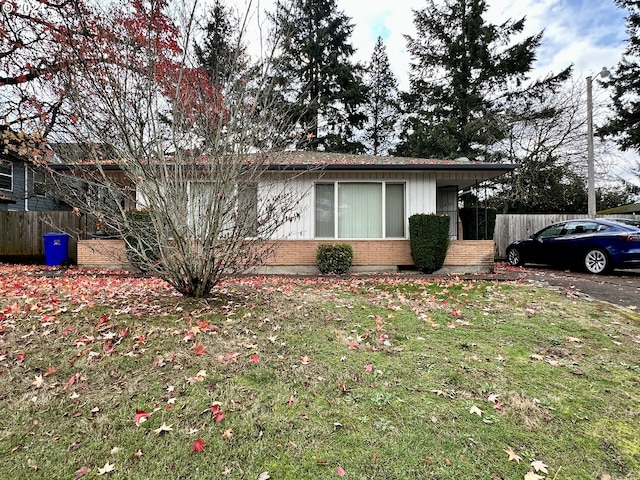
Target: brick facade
<point>299,256</point>
<point>103,254</point>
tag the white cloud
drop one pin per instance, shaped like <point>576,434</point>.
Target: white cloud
<point>588,34</point>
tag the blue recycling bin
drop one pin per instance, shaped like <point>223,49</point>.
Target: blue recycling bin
<point>56,248</point>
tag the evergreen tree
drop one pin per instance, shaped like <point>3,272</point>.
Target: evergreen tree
<point>462,69</point>
<point>221,53</point>
<point>381,106</point>
<point>317,77</point>
<point>625,82</point>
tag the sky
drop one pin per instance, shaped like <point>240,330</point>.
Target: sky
<point>589,34</point>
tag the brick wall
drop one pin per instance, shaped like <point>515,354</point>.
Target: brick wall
<point>365,252</point>
<point>469,255</point>
<point>470,252</point>
<point>103,254</point>
<point>384,252</point>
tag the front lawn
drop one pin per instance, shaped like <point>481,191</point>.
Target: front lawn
<point>114,376</point>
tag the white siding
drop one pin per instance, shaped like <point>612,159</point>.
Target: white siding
<point>297,188</point>
<point>420,195</point>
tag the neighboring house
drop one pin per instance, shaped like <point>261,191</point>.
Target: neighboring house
<point>21,187</point>
<point>630,209</point>
<point>365,201</point>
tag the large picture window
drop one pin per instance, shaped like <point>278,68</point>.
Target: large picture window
<point>6,175</point>
<point>360,210</point>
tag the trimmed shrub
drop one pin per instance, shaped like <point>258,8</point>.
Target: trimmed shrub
<point>429,240</point>
<point>334,258</point>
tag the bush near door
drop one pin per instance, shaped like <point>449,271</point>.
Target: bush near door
<point>429,239</point>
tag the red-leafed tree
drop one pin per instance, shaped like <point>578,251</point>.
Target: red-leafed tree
<point>37,39</point>
<point>149,130</point>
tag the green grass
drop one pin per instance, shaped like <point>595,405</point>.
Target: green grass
<point>381,377</point>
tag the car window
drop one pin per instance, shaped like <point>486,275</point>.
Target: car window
<point>601,227</point>
<point>627,221</point>
<point>584,227</point>
<point>552,231</point>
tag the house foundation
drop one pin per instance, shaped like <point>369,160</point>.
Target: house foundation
<point>298,257</point>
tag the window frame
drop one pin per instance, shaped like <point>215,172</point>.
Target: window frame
<point>7,175</point>
<point>39,184</point>
<point>383,208</point>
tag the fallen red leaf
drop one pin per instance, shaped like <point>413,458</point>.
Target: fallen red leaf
<point>104,319</point>
<point>198,445</point>
<point>199,349</point>
<point>255,358</point>
<point>141,416</point>
<point>72,380</point>
<point>341,471</point>
<point>81,472</point>
<point>218,413</point>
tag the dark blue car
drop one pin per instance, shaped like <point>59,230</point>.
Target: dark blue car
<point>598,246</point>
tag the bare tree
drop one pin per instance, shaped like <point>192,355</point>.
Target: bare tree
<point>151,130</point>
<point>548,137</point>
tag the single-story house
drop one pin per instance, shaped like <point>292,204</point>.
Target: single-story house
<point>629,209</point>
<point>362,200</point>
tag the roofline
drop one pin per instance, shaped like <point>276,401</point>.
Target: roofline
<point>405,167</point>
<point>491,167</point>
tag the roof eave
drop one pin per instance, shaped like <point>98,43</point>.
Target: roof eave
<point>491,167</point>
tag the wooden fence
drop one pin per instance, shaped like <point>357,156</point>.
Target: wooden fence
<point>21,233</point>
<point>517,226</point>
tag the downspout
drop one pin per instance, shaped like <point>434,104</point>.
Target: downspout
<point>26,188</point>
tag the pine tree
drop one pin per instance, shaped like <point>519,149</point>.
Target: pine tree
<point>221,53</point>
<point>381,106</point>
<point>317,76</point>
<point>625,82</point>
<point>462,66</point>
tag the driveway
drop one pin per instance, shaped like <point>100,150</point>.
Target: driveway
<point>620,287</point>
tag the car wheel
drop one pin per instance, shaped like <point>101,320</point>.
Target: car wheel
<point>596,261</point>
<point>514,257</point>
